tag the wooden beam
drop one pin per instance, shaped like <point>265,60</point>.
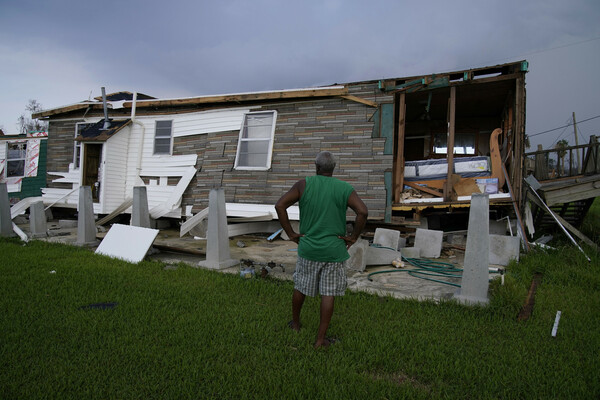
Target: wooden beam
<point>424,189</point>
<point>62,110</point>
<point>516,175</point>
<point>399,166</point>
<point>450,143</point>
<point>361,100</point>
<point>238,98</point>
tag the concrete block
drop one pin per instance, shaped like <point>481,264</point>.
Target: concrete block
<point>37,220</point>
<point>6,228</point>
<point>475,277</point>
<point>218,255</point>
<point>503,249</point>
<point>411,252</point>
<point>401,242</point>
<point>430,242</point>
<point>381,256</point>
<point>86,225</point>
<point>67,223</point>
<point>358,256</point>
<point>387,238</point>
<point>498,227</point>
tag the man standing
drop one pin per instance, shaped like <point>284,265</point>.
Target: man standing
<point>322,241</point>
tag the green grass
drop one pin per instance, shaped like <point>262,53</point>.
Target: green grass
<point>190,333</point>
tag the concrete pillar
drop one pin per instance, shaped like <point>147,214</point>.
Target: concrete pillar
<point>5,219</point>
<point>37,220</point>
<point>86,226</point>
<point>140,216</point>
<point>217,236</point>
<point>475,277</point>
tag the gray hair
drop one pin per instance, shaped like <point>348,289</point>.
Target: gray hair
<point>325,161</point>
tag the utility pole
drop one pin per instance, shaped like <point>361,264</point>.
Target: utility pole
<point>576,144</point>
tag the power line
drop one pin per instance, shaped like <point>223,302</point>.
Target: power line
<point>565,126</point>
<point>533,52</point>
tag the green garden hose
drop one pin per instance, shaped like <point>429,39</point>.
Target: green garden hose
<point>426,267</point>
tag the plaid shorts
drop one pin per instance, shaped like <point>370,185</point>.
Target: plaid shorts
<point>328,277</point>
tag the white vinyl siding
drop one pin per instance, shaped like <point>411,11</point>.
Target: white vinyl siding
<point>255,144</point>
<point>208,122</point>
<point>162,137</point>
<point>114,171</point>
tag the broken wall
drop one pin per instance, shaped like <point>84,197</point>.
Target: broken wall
<point>302,129</point>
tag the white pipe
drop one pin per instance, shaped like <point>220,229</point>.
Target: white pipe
<point>141,147</point>
<point>555,327</point>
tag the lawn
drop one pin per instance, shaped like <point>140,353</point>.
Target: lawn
<point>191,333</point>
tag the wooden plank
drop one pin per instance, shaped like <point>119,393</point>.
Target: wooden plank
<point>360,100</point>
<point>450,143</point>
<point>519,137</point>
<point>61,110</point>
<point>399,165</point>
<point>571,193</point>
<point>236,98</point>
<point>424,189</point>
<point>527,309</point>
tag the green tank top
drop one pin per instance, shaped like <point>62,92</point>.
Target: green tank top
<point>323,218</point>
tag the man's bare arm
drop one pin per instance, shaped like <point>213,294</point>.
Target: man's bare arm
<point>357,205</point>
<point>288,199</point>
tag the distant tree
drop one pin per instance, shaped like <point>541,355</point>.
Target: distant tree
<point>26,123</point>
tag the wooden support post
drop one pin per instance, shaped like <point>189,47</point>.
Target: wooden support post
<point>399,167</point>
<point>450,143</point>
<point>516,175</point>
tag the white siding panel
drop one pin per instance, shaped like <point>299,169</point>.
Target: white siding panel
<point>208,122</point>
<point>116,150</point>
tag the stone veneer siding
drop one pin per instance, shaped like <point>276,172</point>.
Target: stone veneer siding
<point>303,128</point>
<point>60,150</point>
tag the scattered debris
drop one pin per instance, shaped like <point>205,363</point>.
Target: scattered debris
<point>555,327</point>
<point>527,309</point>
<point>240,244</point>
<point>99,306</point>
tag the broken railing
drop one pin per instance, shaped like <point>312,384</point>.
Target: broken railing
<point>564,162</point>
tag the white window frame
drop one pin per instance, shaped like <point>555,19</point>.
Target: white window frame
<point>270,139</point>
<point>79,126</point>
<point>163,137</point>
<point>9,159</point>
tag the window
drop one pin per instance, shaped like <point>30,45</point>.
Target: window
<point>77,145</point>
<point>255,143</point>
<point>162,137</point>
<point>464,143</point>
<point>15,159</point>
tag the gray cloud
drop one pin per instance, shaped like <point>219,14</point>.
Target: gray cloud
<point>59,51</point>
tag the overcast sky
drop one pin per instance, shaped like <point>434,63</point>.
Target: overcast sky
<point>61,52</point>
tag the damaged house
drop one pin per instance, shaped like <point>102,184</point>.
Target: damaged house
<point>23,164</point>
<point>392,138</point>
